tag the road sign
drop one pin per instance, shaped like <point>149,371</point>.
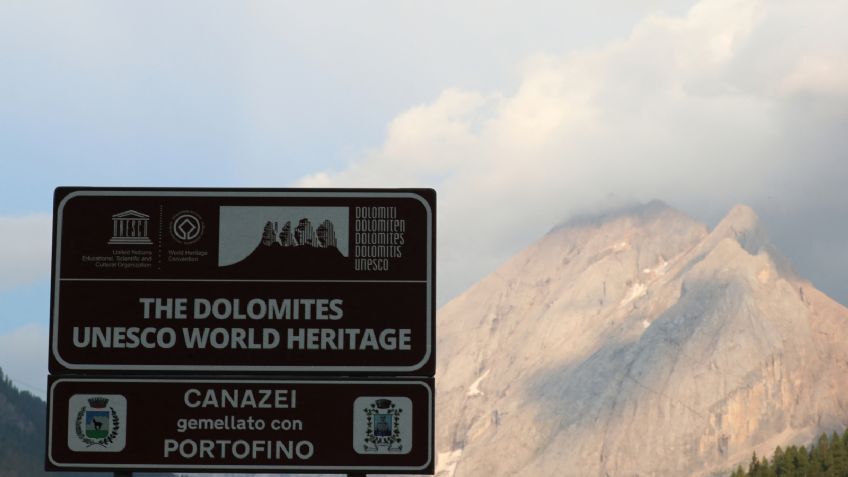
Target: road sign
<point>243,280</point>
<point>213,425</point>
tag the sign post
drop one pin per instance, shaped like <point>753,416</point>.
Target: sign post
<point>197,296</point>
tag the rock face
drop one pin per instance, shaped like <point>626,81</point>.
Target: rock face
<point>639,343</point>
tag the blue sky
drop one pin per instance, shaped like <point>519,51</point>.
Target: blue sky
<point>519,113</point>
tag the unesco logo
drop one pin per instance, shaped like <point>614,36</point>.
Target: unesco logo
<point>186,227</point>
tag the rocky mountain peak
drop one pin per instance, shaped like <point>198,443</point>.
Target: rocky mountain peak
<point>742,216</point>
<point>637,343</point>
<point>634,212</point>
<point>743,225</point>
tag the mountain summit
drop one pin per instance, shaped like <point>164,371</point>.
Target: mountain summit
<point>638,343</point>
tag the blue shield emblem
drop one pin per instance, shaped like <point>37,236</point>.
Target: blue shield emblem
<point>383,425</point>
<point>96,424</point>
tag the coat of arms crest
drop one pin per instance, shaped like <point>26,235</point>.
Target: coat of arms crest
<point>383,425</point>
<point>97,423</point>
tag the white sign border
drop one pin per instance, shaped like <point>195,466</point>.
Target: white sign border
<point>240,194</point>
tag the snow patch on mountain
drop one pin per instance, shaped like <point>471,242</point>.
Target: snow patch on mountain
<point>637,290</point>
<point>474,389</point>
<point>446,462</point>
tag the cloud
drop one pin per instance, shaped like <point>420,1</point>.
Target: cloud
<point>24,249</point>
<point>737,101</point>
<point>23,357</point>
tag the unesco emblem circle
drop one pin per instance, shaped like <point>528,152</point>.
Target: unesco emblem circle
<point>186,227</point>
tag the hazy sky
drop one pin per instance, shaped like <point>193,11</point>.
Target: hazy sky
<point>520,114</point>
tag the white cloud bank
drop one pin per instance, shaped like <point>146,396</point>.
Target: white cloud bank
<point>737,101</point>
<point>24,249</point>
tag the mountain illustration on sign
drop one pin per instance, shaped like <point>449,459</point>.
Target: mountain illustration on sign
<point>300,247</point>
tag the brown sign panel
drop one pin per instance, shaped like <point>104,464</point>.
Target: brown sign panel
<point>240,425</point>
<point>243,280</point>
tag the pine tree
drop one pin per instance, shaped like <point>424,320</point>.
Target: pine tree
<point>781,464</point>
<point>787,465</point>
<point>739,472</point>
<point>802,464</point>
<point>766,470</point>
<point>840,455</point>
<point>822,458</point>
<point>754,466</point>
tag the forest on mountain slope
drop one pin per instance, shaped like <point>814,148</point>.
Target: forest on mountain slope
<point>828,457</point>
<point>23,424</point>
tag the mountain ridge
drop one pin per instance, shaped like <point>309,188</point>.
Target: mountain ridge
<point>639,325</point>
